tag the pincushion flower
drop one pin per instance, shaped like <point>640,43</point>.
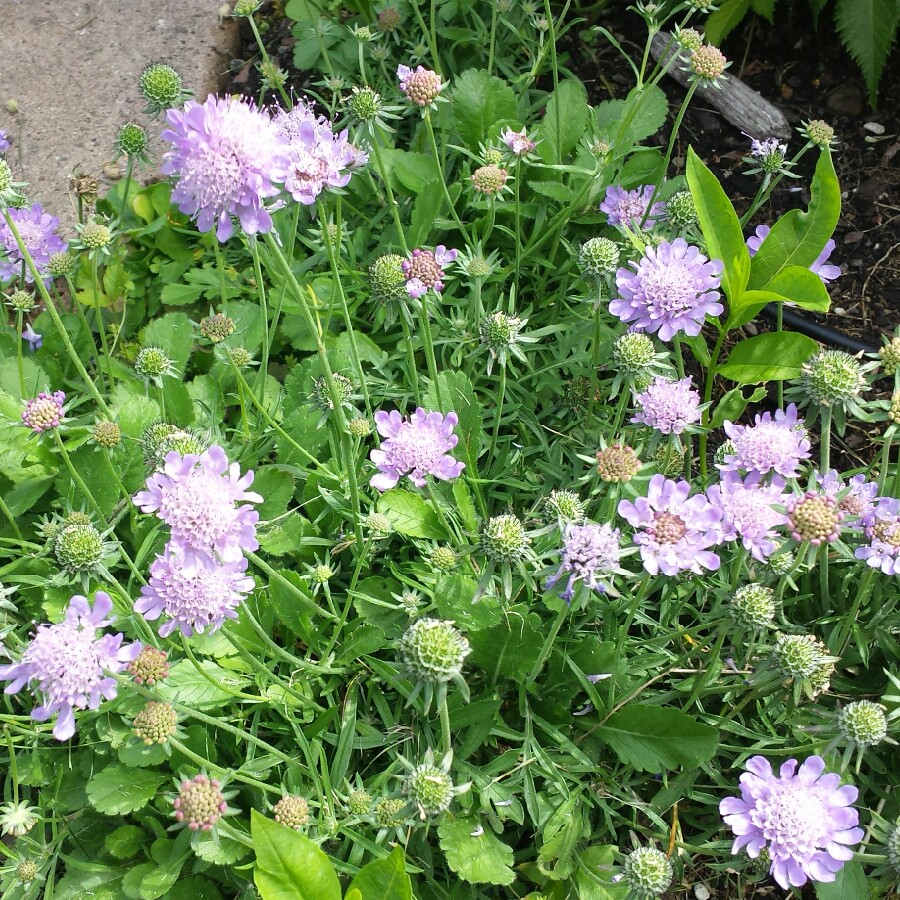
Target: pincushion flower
<point>517,142</point>
<point>629,207</point>
<point>44,412</point>
<point>820,267</point>
<point>69,666</point>
<point>37,230</point>
<point>673,529</point>
<point>421,86</point>
<point>227,158</point>
<point>196,600</point>
<point>748,512</point>
<point>590,554</point>
<point>416,447</point>
<point>318,157</point>
<point>4,141</point>
<point>770,445</point>
<point>673,289</point>
<point>424,270</point>
<point>857,499</point>
<point>205,502</point>
<point>883,550</point>
<point>668,406</point>
<point>34,339</point>
<point>803,818</point>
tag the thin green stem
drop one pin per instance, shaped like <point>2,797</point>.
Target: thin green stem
<point>429,127</point>
<point>289,586</point>
<point>707,396</point>
<point>206,676</point>
<point>392,203</point>
<point>98,313</point>
<point>264,308</point>
<point>410,358</point>
<point>446,737</point>
<point>428,346</point>
<point>498,415</point>
<point>267,61</point>
<point>429,35</point>
<point>203,763</point>
<point>564,610</point>
<point>19,360</point>
<point>493,39</point>
<point>129,170</point>
<point>12,519</point>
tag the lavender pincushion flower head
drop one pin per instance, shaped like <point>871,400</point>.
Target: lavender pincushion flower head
<point>819,267</point>
<point>421,86</point>
<point>883,534</point>
<point>590,554</point>
<point>415,447</point>
<point>668,406</point>
<point>198,600</point>
<point>804,819</point>
<point>38,231</point>
<point>673,529</point>
<point>70,666</point>
<point>205,501</point>
<point>517,142</point>
<point>228,158</point>
<point>748,511</point>
<point>4,141</point>
<point>674,288</point>
<point>857,499</point>
<point>628,208</point>
<point>775,445</point>
<point>34,339</point>
<point>424,270</point>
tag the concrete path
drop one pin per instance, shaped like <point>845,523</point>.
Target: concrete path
<point>72,67</point>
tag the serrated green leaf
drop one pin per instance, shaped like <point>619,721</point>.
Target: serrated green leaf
<point>195,887</point>
<point>656,738</point>
<point>611,115</point>
<point>125,842</point>
<point>188,686</point>
<point>480,100</point>
<point>290,866</point>
<point>564,122</point>
<point>849,884</point>
<point>775,356</point>
<point>722,21</point>
<point>173,334</point>
<point>221,851</point>
<point>410,515</point>
<point>118,789</point>
<point>477,858</point>
<point>509,649</point>
<point>457,395</point>
<point>383,879</point>
<point>867,29</point>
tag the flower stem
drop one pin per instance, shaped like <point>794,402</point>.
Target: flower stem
<point>219,770</point>
<point>392,203</point>
<point>564,610</point>
<point>98,312</point>
<point>445,724</point>
<point>429,127</point>
<point>293,589</point>
<point>501,395</point>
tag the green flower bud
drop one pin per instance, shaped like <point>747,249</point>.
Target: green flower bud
<point>155,723</point>
<point>433,650</point>
<point>78,549</point>
<point>753,606</point>
<point>599,256</point>
<point>291,810</point>
<point>161,86</point>
<point>863,723</point>
<point>647,872</point>
<point>504,539</point>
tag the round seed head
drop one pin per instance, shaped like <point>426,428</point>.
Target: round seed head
<point>321,396</point>
<point>499,331</point>
<point>387,279</point>
<point>106,434</point>
<point>832,377</point>
<point>670,459</point>
<point>95,235</point>
<point>726,448</point>
<point>633,352</point>
<point>216,327</point>
<point>379,523</point>
<point>87,187</point>
<point>565,505</point>
<point>76,517</point>
<point>21,301</point>
<point>291,810</point>
<point>863,723</point>
<point>618,463</point>
<point>492,156</point>
<point>818,132</point>
<point>200,803</point>
<point>599,256</point>
<point>78,549</point>
<point>577,393</point>
<point>429,789</point>
<point>689,38</point>
<point>504,539</point>
<point>753,606</point>
<point>489,180</point>
<point>433,650</point>
<point>153,363</point>
<point>322,574</point>
<point>364,104</point>
<point>26,871</point>
<point>647,872</point>
<point>799,655</point>
<point>359,802</point>
<point>782,563</point>
<point>132,140</point>
<point>161,86</point>
<point>894,410</point>
<point>703,5</point>
<point>60,264</point>
<point>893,847</point>
<point>708,62</point>
<point>443,559</point>
<point>388,20</point>
<point>155,723</point>
<point>387,812</point>
<point>359,427</point>
<point>680,210</point>
<point>149,666</point>
<point>6,177</point>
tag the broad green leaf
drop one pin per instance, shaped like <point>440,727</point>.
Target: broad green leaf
<point>410,515</point>
<point>644,166</point>
<point>173,334</point>
<point>720,225</point>
<point>733,404</point>
<point>290,866</point>
<point>794,284</point>
<point>798,237</point>
<point>596,872</point>
<point>118,789</point>
<point>656,738</point>
<point>276,487</point>
<point>188,686</point>
<point>292,611</point>
<point>764,8</point>
<point>867,29</point>
<point>510,648</point>
<point>477,858</point>
<point>424,212</point>
<point>776,356</point>
<point>384,879</point>
<point>649,108</point>
<point>849,884</point>
<point>480,100</point>
<point>565,120</point>
<point>194,887</point>
<point>454,601</point>
<point>126,841</point>
<point>725,19</point>
<point>457,395</point>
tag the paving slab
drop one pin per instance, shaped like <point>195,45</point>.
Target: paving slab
<point>72,67</point>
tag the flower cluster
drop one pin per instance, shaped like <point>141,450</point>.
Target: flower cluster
<point>632,209</point>
<point>668,406</point>
<point>38,232</point>
<point>590,554</point>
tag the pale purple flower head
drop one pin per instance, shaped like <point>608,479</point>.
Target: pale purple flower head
<point>762,149</point>
<point>517,142</point>
<point>883,550</point>
<point>674,529</point>
<point>771,445</point>
<point>416,448</point>
<point>4,141</point>
<point>34,339</point>
<point>804,818</point>
<point>38,232</point>
<point>69,665</point>
<point>318,157</point>
<point>197,600</point>
<point>857,499</point>
<point>628,207</point>
<point>227,157</point>
<point>590,554</point>
<point>748,512</point>
<point>668,406</point>
<point>421,86</point>
<point>674,288</point>
<point>424,270</point>
<point>826,272</point>
<point>205,502</point>
<point>44,412</point>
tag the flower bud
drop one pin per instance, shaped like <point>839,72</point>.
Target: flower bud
<point>433,650</point>
<point>863,723</point>
<point>443,559</point>
<point>680,210</point>
<point>565,505</point>
<point>831,377</point>
<point>149,666</point>
<point>155,723</point>
<point>599,256</point>
<point>429,789</point>
<point>132,140</point>
<point>618,463</point>
<point>708,62</point>
<point>647,872</point>
<point>291,810</point>
<point>200,803</point>
<point>387,280</point>
<point>216,327</point>
<point>504,539</point>
<point>489,180</point>
<point>753,606</point>
<point>359,802</point>
<point>106,434</point>
<point>60,264</point>
<point>78,549</point>
<point>153,363</point>
<point>162,88</point>
<point>364,103</point>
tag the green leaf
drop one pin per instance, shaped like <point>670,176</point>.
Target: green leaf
<point>510,648</point>
<point>720,225</point>
<point>795,284</point>
<point>172,333</point>
<point>457,395</point>
<point>195,887</point>
<point>384,879</point>
<point>798,238</point>
<point>611,115</point>
<point>277,487</point>
<point>849,884</point>
<point>290,866</point>
<point>410,515</point>
<point>867,29</point>
<point>118,789</point>
<point>565,120</point>
<point>776,356</point>
<point>125,842</point>
<point>733,404</point>
<point>724,20</point>
<point>186,685</point>
<point>424,212</point>
<point>595,874</point>
<point>655,738</point>
<point>482,859</point>
<point>479,101</point>
<point>764,8</point>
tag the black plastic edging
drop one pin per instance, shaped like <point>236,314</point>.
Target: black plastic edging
<point>816,331</point>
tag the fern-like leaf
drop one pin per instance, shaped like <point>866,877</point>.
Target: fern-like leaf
<point>867,29</point>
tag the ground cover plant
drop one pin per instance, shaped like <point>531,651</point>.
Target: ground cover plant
<point>391,506</point>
